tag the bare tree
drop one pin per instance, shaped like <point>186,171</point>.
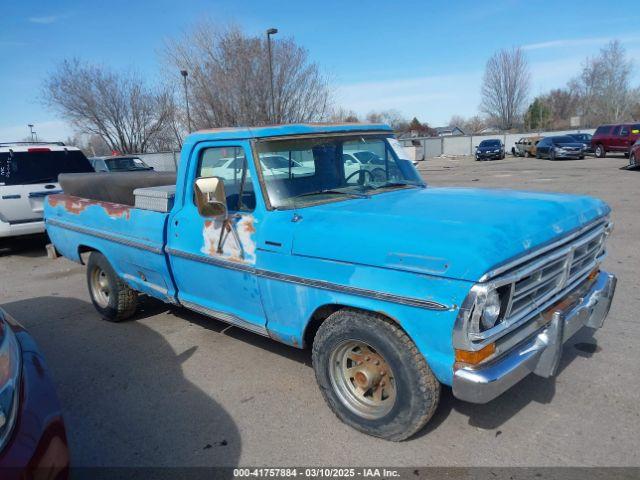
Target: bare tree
<point>391,117</point>
<point>118,107</point>
<point>604,86</point>
<point>339,115</point>
<point>505,86</point>
<point>229,79</point>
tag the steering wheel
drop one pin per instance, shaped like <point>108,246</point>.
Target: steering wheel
<point>361,179</point>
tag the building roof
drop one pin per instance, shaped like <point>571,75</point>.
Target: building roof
<point>447,129</point>
<point>244,133</point>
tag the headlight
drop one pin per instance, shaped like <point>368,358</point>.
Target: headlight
<point>482,311</point>
<point>496,151</point>
<point>559,149</point>
<point>491,311</point>
<point>10,367</point>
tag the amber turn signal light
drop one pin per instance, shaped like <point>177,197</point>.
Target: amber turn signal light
<point>474,358</point>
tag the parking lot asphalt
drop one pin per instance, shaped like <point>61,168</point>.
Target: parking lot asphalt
<point>173,388</point>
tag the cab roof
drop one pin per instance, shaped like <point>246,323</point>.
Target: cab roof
<point>245,133</point>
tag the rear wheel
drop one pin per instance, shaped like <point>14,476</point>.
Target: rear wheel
<point>372,376</point>
<point>111,297</point>
<point>599,152</point>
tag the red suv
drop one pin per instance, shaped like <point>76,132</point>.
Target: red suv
<point>615,138</point>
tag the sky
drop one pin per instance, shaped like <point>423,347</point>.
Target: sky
<point>422,58</point>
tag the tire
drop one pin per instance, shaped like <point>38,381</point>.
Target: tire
<point>600,152</point>
<point>552,155</point>
<point>412,390</point>
<point>527,154</point>
<point>633,162</point>
<point>111,297</point>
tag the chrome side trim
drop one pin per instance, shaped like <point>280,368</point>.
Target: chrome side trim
<point>152,286</point>
<point>218,262</point>
<point>514,263</point>
<point>226,317</point>
<point>362,292</point>
<point>321,284</point>
<point>105,236</point>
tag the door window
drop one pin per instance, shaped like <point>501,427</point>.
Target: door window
<point>624,131</point>
<point>230,165</point>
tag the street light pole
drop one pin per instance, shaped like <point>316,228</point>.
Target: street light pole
<point>271,31</point>
<point>184,74</point>
<point>32,132</point>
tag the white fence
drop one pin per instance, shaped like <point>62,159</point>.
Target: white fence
<point>426,147</point>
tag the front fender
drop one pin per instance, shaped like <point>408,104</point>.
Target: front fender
<point>290,305</point>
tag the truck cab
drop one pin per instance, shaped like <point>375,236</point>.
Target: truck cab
<point>396,287</point>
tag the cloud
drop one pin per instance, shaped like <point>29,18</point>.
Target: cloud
<point>47,19</point>
<point>579,42</point>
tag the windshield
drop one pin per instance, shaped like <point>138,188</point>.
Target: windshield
<point>40,166</point>
<point>490,143</point>
<point>126,164</point>
<point>314,170</point>
<point>564,139</point>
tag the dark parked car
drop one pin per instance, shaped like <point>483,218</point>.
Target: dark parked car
<point>119,164</point>
<point>562,146</point>
<point>584,139</point>
<point>33,440</point>
<point>634,156</point>
<point>615,138</point>
<point>490,149</point>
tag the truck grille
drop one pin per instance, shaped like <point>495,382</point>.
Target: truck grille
<point>547,277</point>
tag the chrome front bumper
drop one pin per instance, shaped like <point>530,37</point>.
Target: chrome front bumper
<point>539,354</point>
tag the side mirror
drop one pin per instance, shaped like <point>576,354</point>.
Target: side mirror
<point>211,199</point>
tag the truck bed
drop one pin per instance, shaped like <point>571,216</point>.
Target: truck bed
<point>132,238</point>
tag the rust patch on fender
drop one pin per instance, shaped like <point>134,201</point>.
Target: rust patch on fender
<point>77,205</point>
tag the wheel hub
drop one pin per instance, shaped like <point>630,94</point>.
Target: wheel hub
<point>363,379</point>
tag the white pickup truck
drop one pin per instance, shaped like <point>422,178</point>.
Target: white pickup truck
<point>28,173</point>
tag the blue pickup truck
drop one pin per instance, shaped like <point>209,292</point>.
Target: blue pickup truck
<point>397,288</point>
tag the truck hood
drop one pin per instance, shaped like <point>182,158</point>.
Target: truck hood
<point>454,232</point>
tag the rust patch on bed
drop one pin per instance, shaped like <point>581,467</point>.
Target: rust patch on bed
<point>77,205</point>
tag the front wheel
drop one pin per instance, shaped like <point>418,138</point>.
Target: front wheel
<point>111,297</point>
<point>600,153</point>
<point>372,376</point>
<point>552,155</point>
<point>633,162</point>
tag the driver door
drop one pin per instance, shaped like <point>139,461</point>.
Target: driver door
<point>213,277</point>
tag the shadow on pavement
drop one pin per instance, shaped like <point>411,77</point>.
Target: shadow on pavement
<point>125,398</point>
<point>28,246</point>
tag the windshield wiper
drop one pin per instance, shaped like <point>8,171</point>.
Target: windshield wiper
<point>41,180</point>
<point>330,191</point>
<point>392,183</point>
